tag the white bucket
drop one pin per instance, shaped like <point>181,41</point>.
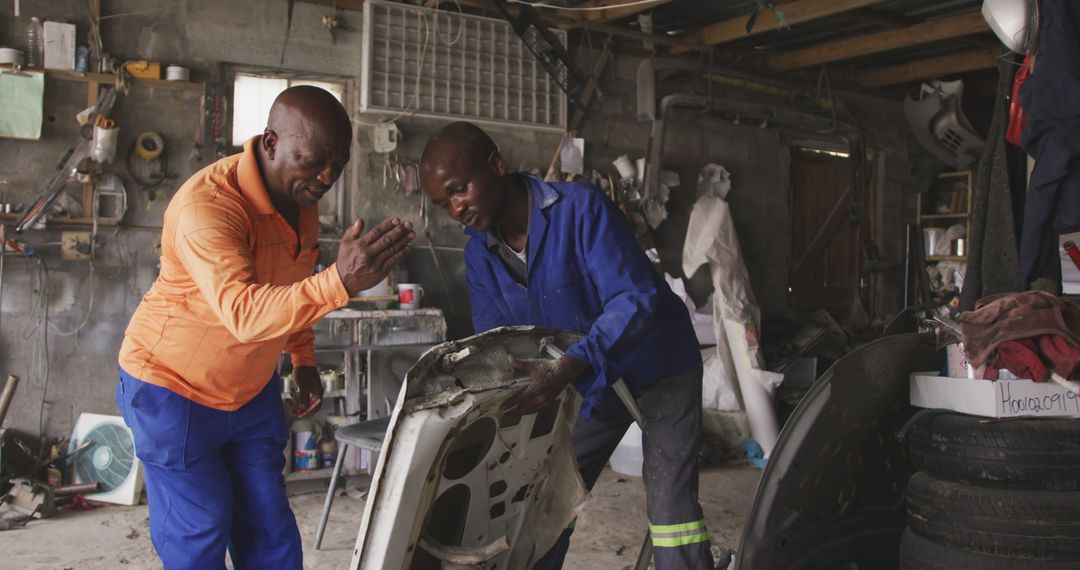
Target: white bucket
<point>628,458</point>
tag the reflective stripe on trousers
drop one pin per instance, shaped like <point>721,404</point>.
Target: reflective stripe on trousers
<point>675,535</point>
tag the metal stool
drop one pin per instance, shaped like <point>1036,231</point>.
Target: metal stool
<point>367,435</point>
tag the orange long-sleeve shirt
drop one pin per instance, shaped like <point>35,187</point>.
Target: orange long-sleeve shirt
<point>234,292</point>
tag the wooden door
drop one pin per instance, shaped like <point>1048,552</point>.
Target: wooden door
<point>825,243</point>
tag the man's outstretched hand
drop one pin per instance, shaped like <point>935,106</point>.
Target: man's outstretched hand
<point>364,260</point>
<point>547,379</point>
<point>307,394</point>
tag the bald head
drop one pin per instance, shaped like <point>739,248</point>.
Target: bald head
<point>305,145</point>
<point>309,111</point>
<point>460,140</point>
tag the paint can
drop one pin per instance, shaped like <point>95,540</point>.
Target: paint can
<point>306,460</point>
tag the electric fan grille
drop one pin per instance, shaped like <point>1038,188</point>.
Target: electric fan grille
<point>110,460</point>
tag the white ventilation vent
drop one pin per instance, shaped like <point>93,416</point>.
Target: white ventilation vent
<point>436,63</point>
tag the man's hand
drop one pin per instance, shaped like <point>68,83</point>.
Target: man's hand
<point>306,398</point>
<point>547,378</point>
<point>365,260</point>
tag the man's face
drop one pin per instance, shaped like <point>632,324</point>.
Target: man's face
<point>305,167</point>
<point>468,191</point>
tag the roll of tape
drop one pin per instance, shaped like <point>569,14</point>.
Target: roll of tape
<point>177,73</point>
<point>11,56</point>
<point>149,145</point>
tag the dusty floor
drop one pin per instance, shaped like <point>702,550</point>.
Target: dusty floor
<point>607,537</point>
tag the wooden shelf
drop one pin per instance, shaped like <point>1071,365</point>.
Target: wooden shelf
<point>87,77</point>
<point>946,258</point>
<point>312,475</point>
<point>943,216</point>
<point>62,220</point>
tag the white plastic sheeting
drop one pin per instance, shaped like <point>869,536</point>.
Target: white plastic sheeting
<point>711,240</point>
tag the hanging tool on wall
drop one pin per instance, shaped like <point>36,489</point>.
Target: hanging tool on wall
<point>211,133</point>
<point>147,149</point>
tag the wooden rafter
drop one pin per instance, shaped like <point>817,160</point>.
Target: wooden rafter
<point>617,13</point>
<point>618,31</point>
<point>929,68</point>
<point>882,18</point>
<point>918,34</point>
<point>794,12</point>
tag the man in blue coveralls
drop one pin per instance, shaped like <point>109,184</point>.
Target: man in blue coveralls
<point>563,256</point>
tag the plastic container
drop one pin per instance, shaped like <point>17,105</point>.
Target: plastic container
<point>35,44</point>
<point>11,56</point>
<point>628,458</point>
<point>327,453</point>
<point>177,73</point>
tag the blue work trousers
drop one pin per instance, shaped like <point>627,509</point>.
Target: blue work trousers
<point>213,478</point>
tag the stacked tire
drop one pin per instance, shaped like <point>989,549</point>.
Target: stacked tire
<point>993,494</point>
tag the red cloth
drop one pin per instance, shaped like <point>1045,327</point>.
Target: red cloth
<point>1013,316</point>
<point>1018,121</point>
<point>1021,357</point>
<point>1035,358</point>
<point>1064,355</point>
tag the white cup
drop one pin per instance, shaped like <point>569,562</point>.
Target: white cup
<point>409,295</point>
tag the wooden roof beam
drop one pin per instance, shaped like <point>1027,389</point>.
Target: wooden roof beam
<point>795,13</point>
<point>881,18</point>
<point>929,68</point>
<point>617,13</point>
<point>924,33</point>
<point>618,31</point>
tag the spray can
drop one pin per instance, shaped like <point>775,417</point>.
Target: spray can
<point>1073,251</point>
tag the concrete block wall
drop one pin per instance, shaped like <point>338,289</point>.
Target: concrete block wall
<point>210,36</point>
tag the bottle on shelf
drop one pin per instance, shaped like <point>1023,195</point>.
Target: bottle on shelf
<point>35,44</point>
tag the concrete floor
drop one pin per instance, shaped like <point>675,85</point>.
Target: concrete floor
<point>608,534</point>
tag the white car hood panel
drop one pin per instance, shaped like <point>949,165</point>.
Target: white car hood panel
<point>457,473</point>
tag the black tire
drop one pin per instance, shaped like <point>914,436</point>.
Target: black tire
<point>1003,522</point>
<point>919,553</point>
<point>1030,453</point>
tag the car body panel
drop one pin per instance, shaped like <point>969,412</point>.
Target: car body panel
<point>457,473</point>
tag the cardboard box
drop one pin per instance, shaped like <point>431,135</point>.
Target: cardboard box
<point>59,45</point>
<point>959,367</point>
<point>1001,399</point>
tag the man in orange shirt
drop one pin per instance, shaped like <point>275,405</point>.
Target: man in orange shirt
<point>198,383</point>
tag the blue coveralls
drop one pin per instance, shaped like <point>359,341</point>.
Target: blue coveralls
<point>585,272</point>
<point>213,478</point>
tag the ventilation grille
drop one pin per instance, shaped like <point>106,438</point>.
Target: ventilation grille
<point>436,63</point>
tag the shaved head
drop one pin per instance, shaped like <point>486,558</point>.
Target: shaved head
<point>309,111</point>
<point>305,146</point>
<point>462,140</point>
